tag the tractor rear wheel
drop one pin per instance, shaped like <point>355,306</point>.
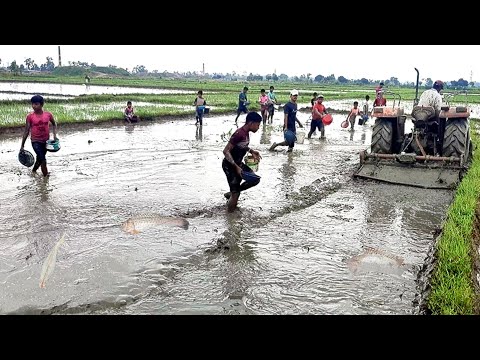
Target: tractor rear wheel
<point>382,137</point>
<point>456,141</point>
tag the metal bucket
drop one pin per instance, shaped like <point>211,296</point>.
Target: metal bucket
<point>300,137</point>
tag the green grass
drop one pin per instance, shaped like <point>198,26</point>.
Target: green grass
<point>452,283</point>
<point>341,91</point>
<point>221,96</point>
<point>110,107</point>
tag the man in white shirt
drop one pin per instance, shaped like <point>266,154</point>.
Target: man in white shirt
<point>432,97</point>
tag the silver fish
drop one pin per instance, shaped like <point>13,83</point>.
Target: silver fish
<point>375,260</point>
<point>141,223</point>
<point>49,263</point>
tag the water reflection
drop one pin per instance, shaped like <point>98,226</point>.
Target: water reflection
<point>363,138</point>
<point>237,269</point>
<point>42,187</point>
<point>199,133</point>
<point>265,138</point>
<point>129,128</point>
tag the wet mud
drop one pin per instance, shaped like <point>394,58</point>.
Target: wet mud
<point>309,239</point>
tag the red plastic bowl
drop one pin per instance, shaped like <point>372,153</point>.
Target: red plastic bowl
<point>327,119</point>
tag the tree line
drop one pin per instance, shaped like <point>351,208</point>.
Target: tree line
<point>79,67</point>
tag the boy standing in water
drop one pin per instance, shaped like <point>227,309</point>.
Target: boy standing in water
<point>263,100</point>
<point>366,110</point>
<point>289,120</point>
<point>200,104</point>
<point>352,116</point>
<point>273,100</point>
<point>318,112</point>
<point>242,103</point>
<point>234,152</point>
<point>37,123</point>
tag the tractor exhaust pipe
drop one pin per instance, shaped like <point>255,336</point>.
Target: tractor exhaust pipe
<point>415,102</point>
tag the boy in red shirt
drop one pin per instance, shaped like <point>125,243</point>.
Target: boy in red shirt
<point>37,123</point>
<point>318,112</point>
<point>380,100</point>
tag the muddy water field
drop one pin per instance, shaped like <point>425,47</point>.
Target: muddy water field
<point>309,239</point>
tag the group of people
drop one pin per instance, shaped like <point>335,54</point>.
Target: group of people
<point>365,111</point>
<point>266,100</point>
<point>238,146</point>
<point>38,127</point>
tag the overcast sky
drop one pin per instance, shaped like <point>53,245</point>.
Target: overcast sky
<point>375,62</point>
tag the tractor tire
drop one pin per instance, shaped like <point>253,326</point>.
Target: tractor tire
<point>456,140</point>
<point>382,137</point>
<point>469,157</point>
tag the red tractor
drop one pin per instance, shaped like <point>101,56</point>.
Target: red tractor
<point>434,155</point>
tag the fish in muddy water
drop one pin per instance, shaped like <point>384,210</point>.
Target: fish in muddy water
<point>49,263</point>
<point>375,260</point>
<point>138,224</point>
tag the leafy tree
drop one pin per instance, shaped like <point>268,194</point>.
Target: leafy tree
<point>394,81</point>
<point>140,69</point>
<point>319,78</point>
<point>330,78</point>
<point>14,68</point>
<point>48,66</point>
<point>342,79</point>
<point>275,77</point>
<point>29,63</point>
<point>462,83</point>
<point>81,64</point>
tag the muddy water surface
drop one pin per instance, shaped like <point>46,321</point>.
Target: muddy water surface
<point>308,239</point>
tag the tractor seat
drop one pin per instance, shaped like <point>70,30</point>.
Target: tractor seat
<point>423,113</point>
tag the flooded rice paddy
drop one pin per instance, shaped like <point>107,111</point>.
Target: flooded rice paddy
<point>20,90</point>
<point>309,239</point>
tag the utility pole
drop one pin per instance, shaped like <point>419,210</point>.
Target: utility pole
<point>203,67</point>
<point>59,57</point>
